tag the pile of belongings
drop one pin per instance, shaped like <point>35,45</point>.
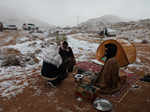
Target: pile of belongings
<point>84,87</point>
<point>87,92</point>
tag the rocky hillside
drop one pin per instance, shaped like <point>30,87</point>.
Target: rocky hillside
<point>96,24</point>
<point>132,25</point>
<point>139,29</point>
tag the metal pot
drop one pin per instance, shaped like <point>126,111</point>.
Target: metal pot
<point>78,77</point>
<point>102,105</point>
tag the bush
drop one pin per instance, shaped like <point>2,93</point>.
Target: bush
<point>11,60</point>
<point>10,57</point>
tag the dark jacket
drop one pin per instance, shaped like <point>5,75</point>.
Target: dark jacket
<point>66,54</point>
<point>67,58</point>
<point>49,70</point>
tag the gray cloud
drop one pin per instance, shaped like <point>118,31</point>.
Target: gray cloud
<point>65,12</point>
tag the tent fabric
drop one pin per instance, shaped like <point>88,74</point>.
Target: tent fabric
<point>126,52</point>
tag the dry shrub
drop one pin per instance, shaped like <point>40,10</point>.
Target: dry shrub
<point>11,60</point>
<point>13,57</point>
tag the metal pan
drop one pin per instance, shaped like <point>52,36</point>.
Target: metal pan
<point>102,105</point>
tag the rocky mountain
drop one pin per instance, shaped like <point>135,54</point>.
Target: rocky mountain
<point>96,24</point>
<point>133,25</point>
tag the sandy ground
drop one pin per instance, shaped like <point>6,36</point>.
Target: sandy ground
<point>39,97</point>
<point>62,99</point>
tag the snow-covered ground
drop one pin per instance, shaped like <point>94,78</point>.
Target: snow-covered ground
<point>14,79</point>
<point>84,48</point>
<point>136,35</point>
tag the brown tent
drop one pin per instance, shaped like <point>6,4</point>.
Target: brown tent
<point>126,52</point>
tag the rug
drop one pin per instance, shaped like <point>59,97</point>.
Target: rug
<point>118,96</point>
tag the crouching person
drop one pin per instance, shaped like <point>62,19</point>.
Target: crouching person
<point>108,79</point>
<point>53,69</point>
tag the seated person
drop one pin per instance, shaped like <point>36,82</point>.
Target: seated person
<point>53,69</point>
<point>67,55</point>
<point>108,79</point>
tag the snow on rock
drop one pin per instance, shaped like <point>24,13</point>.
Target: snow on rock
<point>27,47</point>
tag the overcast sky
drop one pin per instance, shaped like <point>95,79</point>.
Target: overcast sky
<point>70,12</point>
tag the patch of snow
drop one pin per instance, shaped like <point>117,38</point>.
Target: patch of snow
<point>22,39</point>
<point>43,35</point>
<point>113,38</point>
<point>9,91</point>
<point>25,47</point>
<point>138,60</point>
<point>4,77</point>
<point>135,65</point>
<point>82,47</point>
<point>125,41</point>
<point>12,81</point>
<point>82,58</point>
<point>6,84</point>
<point>8,39</point>
<point>137,40</point>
